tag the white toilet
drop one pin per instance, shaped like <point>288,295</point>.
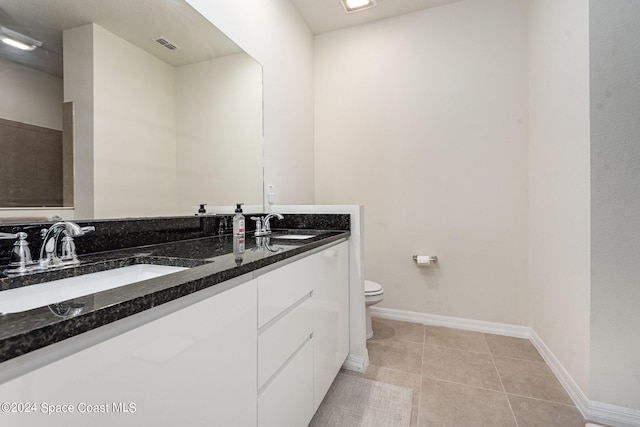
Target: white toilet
<point>373,294</point>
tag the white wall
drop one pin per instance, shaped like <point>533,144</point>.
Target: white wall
<point>422,119</point>
<point>36,97</point>
<point>78,88</point>
<point>135,130</point>
<point>219,132</point>
<point>559,180</point>
<point>273,33</point>
<point>124,110</point>
<point>615,197</point>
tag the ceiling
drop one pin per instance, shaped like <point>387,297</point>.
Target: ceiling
<point>329,15</point>
<point>141,21</point>
<point>138,21</point>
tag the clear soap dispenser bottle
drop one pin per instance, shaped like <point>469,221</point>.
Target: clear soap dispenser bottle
<point>238,222</point>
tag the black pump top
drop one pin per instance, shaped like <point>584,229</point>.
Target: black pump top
<point>202,209</point>
<point>239,207</point>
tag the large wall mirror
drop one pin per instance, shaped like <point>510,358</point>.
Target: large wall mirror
<point>148,109</point>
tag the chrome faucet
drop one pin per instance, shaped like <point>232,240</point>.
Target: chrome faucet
<point>51,236</point>
<point>263,227</point>
<point>21,261</point>
<point>265,222</point>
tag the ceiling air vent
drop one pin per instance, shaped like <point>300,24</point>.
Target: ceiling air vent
<point>166,43</point>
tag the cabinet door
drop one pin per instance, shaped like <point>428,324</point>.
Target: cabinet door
<point>330,282</point>
<point>287,401</point>
<point>194,367</point>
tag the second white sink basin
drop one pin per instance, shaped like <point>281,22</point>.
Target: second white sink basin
<point>34,296</point>
<point>293,236</point>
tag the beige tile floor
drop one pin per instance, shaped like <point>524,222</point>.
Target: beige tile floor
<point>465,379</point>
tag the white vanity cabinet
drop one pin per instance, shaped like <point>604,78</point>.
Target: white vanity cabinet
<point>258,350</point>
<point>195,367</point>
<point>330,304</point>
<point>303,335</point>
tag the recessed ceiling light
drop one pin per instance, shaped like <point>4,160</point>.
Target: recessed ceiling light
<point>17,44</point>
<point>358,5</point>
<point>17,40</point>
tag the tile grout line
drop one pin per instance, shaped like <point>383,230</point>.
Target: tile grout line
<point>552,402</point>
<point>424,340</point>
<point>538,362</point>
<point>442,380</point>
<point>504,390</point>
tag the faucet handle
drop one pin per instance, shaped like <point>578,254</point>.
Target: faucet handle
<point>258,221</point>
<point>21,260</point>
<point>68,249</point>
<point>21,254</point>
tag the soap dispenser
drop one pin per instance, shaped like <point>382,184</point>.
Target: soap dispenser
<point>202,209</point>
<point>238,221</point>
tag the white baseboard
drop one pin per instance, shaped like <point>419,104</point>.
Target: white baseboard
<point>613,415</point>
<point>357,363</point>
<point>594,412</point>
<point>573,390</point>
<point>453,322</point>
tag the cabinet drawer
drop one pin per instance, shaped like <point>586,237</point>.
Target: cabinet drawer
<point>281,288</point>
<point>288,400</point>
<point>279,341</point>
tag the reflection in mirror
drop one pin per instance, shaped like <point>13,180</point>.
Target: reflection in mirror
<point>166,110</point>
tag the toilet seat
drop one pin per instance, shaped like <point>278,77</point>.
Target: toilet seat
<point>372,289</point>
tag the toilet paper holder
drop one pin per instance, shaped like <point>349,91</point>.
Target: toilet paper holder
<point>431,258</point>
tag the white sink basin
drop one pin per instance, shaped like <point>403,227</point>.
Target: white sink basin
<point>294,236</point>
<point>34,296</point>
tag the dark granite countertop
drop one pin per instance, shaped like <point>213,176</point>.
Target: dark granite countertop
<point>210,261</point>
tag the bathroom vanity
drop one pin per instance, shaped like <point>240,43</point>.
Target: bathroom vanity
<point>242,339</point>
